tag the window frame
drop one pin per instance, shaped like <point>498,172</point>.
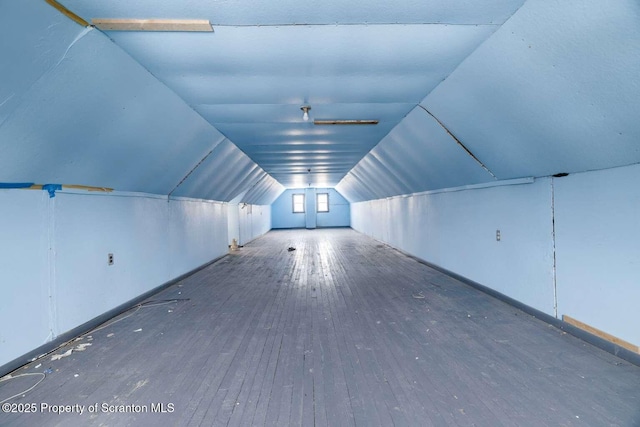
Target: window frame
<point>293,203</point>
<point>318,203</point>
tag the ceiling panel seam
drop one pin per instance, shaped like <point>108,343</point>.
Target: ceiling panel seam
<point>243,183</point>
<point>44,74</point>
<point>427,94</point>
<point>389,172</point>
<point>196,166</point>
<point>354,24</point>
<point>459,142</point>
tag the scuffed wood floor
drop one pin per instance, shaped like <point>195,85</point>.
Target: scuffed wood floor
<point>341,331</point>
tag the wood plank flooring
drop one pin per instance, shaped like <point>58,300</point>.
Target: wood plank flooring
<point>341,331</point>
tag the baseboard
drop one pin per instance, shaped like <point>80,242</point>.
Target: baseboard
<point>95,322</point>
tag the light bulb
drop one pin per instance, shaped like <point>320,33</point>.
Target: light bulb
<point>305,115</point>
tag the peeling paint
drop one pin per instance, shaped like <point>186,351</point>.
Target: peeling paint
<point>80,35</point>
<point>62,355</point>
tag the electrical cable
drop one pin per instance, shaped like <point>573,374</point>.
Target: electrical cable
<point>152,303</point>
<point>11,377</point>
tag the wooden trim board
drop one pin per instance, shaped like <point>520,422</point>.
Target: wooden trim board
<point>152,24</point>
<point>601,334</point>
<point>66,12</point>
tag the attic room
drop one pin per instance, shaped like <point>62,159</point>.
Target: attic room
<point>300,213</point>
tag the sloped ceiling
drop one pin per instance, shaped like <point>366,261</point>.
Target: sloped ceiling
<point>554,90</point>
<point>76,109</point>
<point>465,93</point>
<point>352,60</point>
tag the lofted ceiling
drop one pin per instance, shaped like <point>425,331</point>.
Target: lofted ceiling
<point>349,61</point>
<point>464,93</point>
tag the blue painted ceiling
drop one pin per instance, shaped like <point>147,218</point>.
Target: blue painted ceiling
<point>465,93</point>
<point>353,60</point>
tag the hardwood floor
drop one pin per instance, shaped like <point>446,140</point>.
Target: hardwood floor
<point>340,331</point>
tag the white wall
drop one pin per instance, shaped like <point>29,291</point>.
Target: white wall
<point>457,231</point>
<point>598,249</point>
<point>597,241</point>
<point>254,221</point>
<point>233,223</point>
<point>50,291</point>
<point>24,272</point>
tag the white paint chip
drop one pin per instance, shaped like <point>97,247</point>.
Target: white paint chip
<point>60,356</point>
<point>138,330</point>
<point>82,347</point>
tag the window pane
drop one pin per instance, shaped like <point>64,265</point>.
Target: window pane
<point>323,202</point>
<point>298,203</point>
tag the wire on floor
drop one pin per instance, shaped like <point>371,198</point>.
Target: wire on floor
<point>152,303</point>
<point>11,377</point>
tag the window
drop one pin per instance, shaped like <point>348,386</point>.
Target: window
<point>298,203</point>
<point>323,202</point>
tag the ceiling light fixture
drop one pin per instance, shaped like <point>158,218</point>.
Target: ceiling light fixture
<point>305,115</point>
<point>345,122</point>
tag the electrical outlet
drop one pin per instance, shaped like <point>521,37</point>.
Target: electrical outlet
<point>498,235</point>
<point>110,259</point>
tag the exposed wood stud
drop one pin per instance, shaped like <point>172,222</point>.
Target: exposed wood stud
<point>69,14</point>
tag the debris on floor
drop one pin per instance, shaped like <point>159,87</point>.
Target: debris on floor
<point>291,249</point>
<point>418,295</point>
<point>60,356</point>
<point>138,330</point>
<point>82,347</point>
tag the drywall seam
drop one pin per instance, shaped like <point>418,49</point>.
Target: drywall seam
<point>458,142</point>
<point>194,200</point>
<point>53,318</point>
<point>83,33</point>
<point>553,245</point>
<point>355,24</point>
<point>9,98</point>
<point>501,183</point>
<point>138,195</point>
<point>132,194</point>
<point>44,74</point>
<point>196,166</point>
